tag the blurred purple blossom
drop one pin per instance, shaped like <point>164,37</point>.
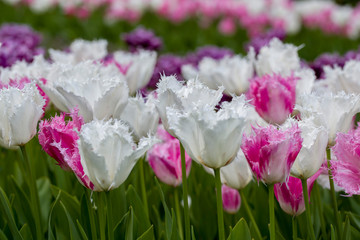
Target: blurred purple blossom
<point>19,42</point>
<point>167,64</point>
<point>263,39</point>
<point>142,38</point>
<point>207,51</point>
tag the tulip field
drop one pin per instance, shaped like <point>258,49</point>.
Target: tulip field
<point>179,119</point>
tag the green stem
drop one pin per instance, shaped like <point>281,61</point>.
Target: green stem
<point>101,215</point>
<point>249,213</point>
<point>333,195</point>
<point>272,212</point>
<point>294,227</point>
<point>185,193</point>
<point>35,203</point>
<point>143,188</point>
<point>307,208</point>
<point>178,214</point>
<point>110,225</point>
<point>91,216</point>
<point>219,204</point>
<point>320,209</point>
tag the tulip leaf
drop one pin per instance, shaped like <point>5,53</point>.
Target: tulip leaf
<point>74,234</point>
<point>81,229</point>
<point>6,209</point>
<point>119,228</point>
<point>84,213</point>
<point>355,234</point>
<point>25,232</point>
<point>50,233</point>
<point>71,202</point>
<point>148,234</point>
<point>138,208</point>
<point>346,232</point>
<point>130,225</point>
<point>333,234</point>
<point>354,220</point>
<point>174,231</point>
<point>169,220</point>
<point>192,233</point>
<point>22,205</point>
<point>44,192</point>
<point>240,231</point>
<point>159,224</point>
<point>2,235</point>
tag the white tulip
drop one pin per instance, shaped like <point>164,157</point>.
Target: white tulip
<point>233,73</point>
<point>277,57</point>
<point>138,68</point>
<point>20,111</point>
<point>238,173</point>
<point>108,152</point>
<point>313,151</point>
<point>80,50</point>
<point>346,79</point>
<point>305,81</point>
<point>210,137</point>
<point>171,93</point>
<point>333,111</point>
<point>141,116</point>
<point>99,92</point>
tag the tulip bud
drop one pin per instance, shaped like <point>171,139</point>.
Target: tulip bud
<point>273,96</point>
<point>165,160</point>
<point>231,199</point>
<point>290,194</point>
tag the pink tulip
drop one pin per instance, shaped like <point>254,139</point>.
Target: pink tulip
<point>59,138</point>
<point>271,152</point>
<point>231,199</point>
<point>290,194</point>
<point>346,169</point>
<point>165,159</point>
<point>273,97</point>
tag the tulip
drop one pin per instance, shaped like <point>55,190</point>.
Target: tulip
<point>108,152</point>
<point>346,169</point>
<point>164,158</point>
<point>141,116</point>
<point>139,68</point>
<point>58,138</point>
<point>98,91</point>
<point>271,152</point>
<point>273,97</point>
<point>343,79</point>
<point>211,138</point>
<point>171,93</point>
<point>21,109</point>
<point>305,81</point>
<point>290,194</point>
<point>231,199</point>
<point>313,151</point>
<point>277,58</point>
<point>80,50</point>
<point>232,72</point>
<point>238,173</point>
<point>333,111</point>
